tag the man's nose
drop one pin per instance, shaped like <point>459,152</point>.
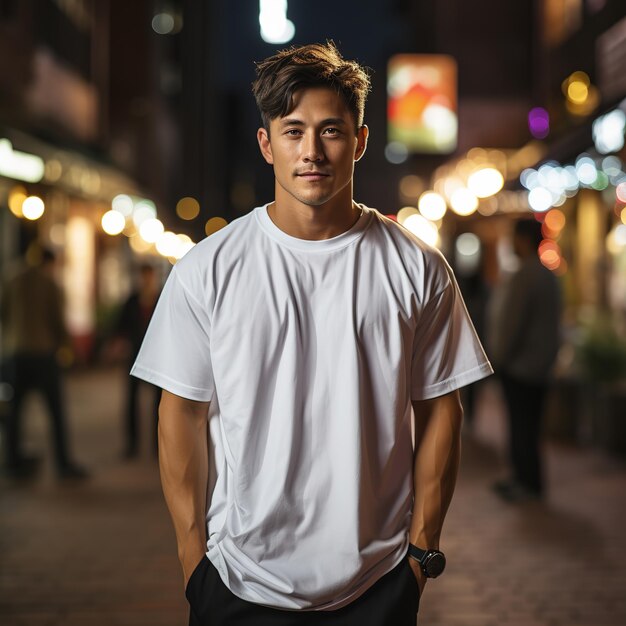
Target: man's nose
<point>312,150</point>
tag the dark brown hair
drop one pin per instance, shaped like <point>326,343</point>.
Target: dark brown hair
<point>530,229</point>
<point>314,65</point>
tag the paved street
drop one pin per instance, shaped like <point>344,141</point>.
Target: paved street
<point>102,553</point>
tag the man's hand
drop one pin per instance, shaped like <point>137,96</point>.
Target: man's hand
<point>419,574</point>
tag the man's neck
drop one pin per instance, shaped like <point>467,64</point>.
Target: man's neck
<point>313,222</point>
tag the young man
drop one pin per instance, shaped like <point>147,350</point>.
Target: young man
<point>305,333</point>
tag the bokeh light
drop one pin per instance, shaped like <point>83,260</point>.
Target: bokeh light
<point>123,204</point>
<point>422,228</point>
<point>539,199</point>
<point>432,206</point>
<point>167,244</point>
<point>555,220</point>
<point>113,222</point>
<point>620,192</point>
<point>188,208</point>
<point>214,224</point>
<point>405,212</point>
<point>142,211</point>
<point>17,195</point>
<point>33,208</point>
<point>396,152</point>
<point>608,132</point>
<point>463,202</point>
<point>485,182</point>
<point>538,122</point>
<point>151,229</point>
<point>411,186</point>
<point>467,246</point>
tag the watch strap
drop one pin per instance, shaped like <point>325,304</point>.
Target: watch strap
<point>417,553</point>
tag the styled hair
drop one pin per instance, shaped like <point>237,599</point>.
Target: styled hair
<point>314,65</point>
<point>529,229</point>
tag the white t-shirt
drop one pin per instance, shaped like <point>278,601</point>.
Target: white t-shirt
<point>310,353</point>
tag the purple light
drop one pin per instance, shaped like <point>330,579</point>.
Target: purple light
<point>538,122</point>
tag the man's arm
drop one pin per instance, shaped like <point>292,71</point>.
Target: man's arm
<point>437,455</point>
<point>183,462</point>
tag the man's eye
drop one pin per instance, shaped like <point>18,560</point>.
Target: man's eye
<point>292,132</point>
<point>331,131</point>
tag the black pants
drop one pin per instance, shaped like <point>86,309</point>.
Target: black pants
<point>33,372</point>
<point>132,414</point>
<point>392,601</point>
<point>525,404</point>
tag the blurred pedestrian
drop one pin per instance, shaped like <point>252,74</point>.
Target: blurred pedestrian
<point>525,342</point>
<point>475,291</point>
<point>132,324</point>
<point>310,331</point>
<point>34,333</point>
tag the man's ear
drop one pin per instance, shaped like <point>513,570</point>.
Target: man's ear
<point>361,142</point>
<point>264,144</point>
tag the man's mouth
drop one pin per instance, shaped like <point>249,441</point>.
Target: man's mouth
<point>312,175</point>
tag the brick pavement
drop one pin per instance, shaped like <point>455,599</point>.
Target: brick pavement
<point>103,553</point>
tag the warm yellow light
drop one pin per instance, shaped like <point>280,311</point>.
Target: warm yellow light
<point>485,182</point>
<point>151,229</point>
<point>623,215</point>
<point>214,224</point>
<point>577,92</point>
<point>16,200</point>
<point>113,222</point>
<point>432,206</point>
<point>33,208</point>
<point>411,186</point>
<point>185,244</point>
<point>450,185</point>
<point>463,202</point>
<point>187,208</point>
<point>405,212</point>
<point>167,244</point>
<point>555,220</point>
<point>422,228</point>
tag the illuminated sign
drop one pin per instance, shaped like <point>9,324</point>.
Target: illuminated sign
<point>422,103</point>
<point>20,165</point>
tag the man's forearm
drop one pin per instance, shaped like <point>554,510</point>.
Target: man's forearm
<point>183,462</point>
<point>437,456</point>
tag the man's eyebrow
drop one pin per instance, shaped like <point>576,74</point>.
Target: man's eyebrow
<point>293,121</point>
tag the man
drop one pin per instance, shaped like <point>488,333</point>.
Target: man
<point>307,330</point>
<point>33,332</point>
<point>525,337</point>
<point>132,325</point>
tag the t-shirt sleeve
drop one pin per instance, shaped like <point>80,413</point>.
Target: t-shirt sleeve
<point>447,353</point>
<point>176,350</point>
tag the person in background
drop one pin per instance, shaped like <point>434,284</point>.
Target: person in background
<point>34,333</point>
<point>524,346</point>
<point>131,325</point>
<point>312,334</point>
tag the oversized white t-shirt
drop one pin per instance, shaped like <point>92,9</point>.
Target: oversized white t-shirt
<point>310,353</point>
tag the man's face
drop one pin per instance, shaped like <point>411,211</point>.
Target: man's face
<point>313,148</point>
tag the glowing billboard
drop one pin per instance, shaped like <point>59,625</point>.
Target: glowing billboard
<point>422,102</point>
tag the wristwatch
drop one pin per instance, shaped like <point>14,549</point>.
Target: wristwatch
<point>432,562</point>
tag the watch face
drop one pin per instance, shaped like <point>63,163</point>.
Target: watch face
<point>435,564</point>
